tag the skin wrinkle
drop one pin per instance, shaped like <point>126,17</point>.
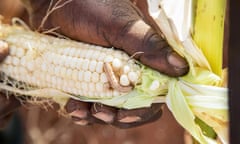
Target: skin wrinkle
<point>74,20</point>
<point>121,13</point>
<point>125,29</point>
<point>156,44</point>
<point>94,20</point>
<point>151,40</point>
<point>100,26</point>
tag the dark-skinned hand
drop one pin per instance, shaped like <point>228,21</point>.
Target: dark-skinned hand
<point>111,23</point>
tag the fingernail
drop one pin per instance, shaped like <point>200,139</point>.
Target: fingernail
<point>179,63</point>
<point>79,113</point>
<point>130,119</point>
<point>104,117</point>
<point>82,122</point>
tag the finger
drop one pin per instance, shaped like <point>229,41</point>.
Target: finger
<point>8,105</point>
<point>104,113</point>
<point>119,24</point>
<point>78,109</point>
<point>137,115</point>
<point>83,113</point>
<point>165,60</point>
<point>4,50</point>
<point>154,118</point>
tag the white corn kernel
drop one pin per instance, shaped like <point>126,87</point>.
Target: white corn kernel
<point>22,70</point>
<point>99,87</point>
<point>126,69</point>
<point>78,85</point>
<point>66,51</point>
<point>108,59</point>
<point>63,71</point>
<point>101,57</point>
<point>155,85</point>
<point>116,93</point>
<point>73,63</point>
<point>38,62</point>
<point>66,61</point>
<point>75,74</point>
<point>103,78</point>
<point>20,53</point>
<point>81,54</point>
<point>23,61</point>
<point>109,93</point>
<point>69,73</point>
<point>124,81</point>
<point>79,63</point>
<point>72,66</point>
<point>87,76</point>
<point>59,82</point>
<point>95,77</point>
<point>92,65</point>
<point>95,54</point>
<point>133,77</point>
<point>48,78</point>
<point>32,54</point>
<point>84,86</point>
<point>88,54</point>
<point>41,75</point>
<point>57,70</point>
<point>54,80</point>
<point>31,66</point>
<point>15,61</point>
<point>80,76</point>
<point>72,52</point>
<point>85,64</point>
<point>116,63</point>
<point>13,51</point>
<point>44,67</point>
<point>70,83</point>
<point>99,68</point>
<point>91,87</point>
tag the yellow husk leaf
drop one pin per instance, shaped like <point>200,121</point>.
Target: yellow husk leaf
<point>208,31</point>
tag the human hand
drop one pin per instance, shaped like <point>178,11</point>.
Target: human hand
<point>117,23</point>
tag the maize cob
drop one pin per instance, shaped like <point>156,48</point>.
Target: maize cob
<point>75,68</point>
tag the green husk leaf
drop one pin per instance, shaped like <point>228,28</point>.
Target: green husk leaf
<point>207,130</point>
<point>184,114</point>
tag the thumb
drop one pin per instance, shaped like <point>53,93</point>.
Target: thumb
<point>156,52</point>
